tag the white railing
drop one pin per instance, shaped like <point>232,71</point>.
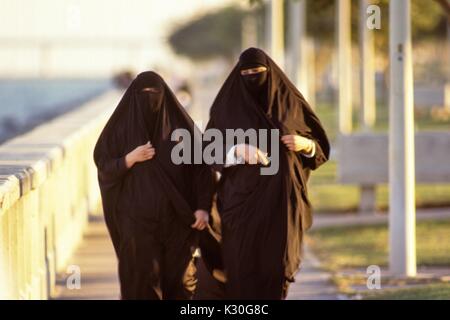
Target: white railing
<point>48,188</point>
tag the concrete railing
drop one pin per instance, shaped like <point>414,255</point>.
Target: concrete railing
<point>48,187</point>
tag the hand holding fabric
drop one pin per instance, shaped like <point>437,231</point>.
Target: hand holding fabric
<point>201,219</point>
<point>251,154</point>
<point>141,153</point>
<point>298,143</point>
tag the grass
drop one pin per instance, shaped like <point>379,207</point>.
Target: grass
<point>360,246</point>
<point>423,120</point>
<point>355,248</point>
<point>354,283</point>
<point>347,251</point>
<point>435,291</point>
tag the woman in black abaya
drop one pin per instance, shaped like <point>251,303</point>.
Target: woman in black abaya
<point>152,207</point>
<point>264,216</point>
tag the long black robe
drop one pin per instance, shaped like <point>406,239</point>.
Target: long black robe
<point>149,208</point>
<point>264,216</point>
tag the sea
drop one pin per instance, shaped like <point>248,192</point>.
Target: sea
<point>26,103</point>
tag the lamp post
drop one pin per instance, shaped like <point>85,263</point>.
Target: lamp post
<point>277,31</point>
<point>343,13</point>
<point>402,255</point>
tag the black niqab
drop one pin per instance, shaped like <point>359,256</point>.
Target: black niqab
<point>256,83</point>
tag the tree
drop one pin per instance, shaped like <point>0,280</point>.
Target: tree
<point>216,34</point>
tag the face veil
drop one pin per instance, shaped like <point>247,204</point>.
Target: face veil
<point>150,97</point>
<point>256,83</point>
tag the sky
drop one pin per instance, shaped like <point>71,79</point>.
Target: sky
<point>79,38</point>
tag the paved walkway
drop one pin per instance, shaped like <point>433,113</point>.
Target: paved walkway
<point>339,219</point>
<point>311,282</point>
<point>96,259</point>
<point>98,265</point>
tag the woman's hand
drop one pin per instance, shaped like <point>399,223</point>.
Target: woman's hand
<point>297,143</point>
<point>201,219</point>
<point>251,154</point>
<point>140,154</point>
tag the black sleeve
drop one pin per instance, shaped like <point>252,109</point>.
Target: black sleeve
<point>204,187</point>
<point>112,169</point>
<point>316,133</point>
<point>318,159</point>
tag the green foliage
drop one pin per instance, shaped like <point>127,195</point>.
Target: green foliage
<point>216,34</point>
<point>435,291</point>
<point>428,20</point>
<point>360,246</point>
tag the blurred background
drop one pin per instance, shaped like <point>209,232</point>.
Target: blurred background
<point>55,55</point>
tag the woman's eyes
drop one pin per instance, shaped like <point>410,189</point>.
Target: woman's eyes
<point>250,72</point>
<point>151,90</point>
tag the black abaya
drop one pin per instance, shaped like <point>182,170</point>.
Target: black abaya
<point>149,207</point>
<point>264,216</point>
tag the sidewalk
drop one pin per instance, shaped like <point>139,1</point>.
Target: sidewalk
<point>311,282</point>
<point>341,219</point>
<point>97,261</point>
<point>98,266</point>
